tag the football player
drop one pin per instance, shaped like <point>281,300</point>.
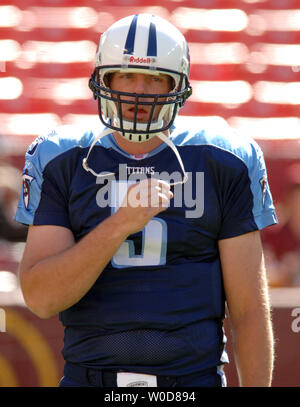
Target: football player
<point>140,233</point>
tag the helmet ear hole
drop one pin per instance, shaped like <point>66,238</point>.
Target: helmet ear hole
<point>108,78</point>
<point>172,82</point>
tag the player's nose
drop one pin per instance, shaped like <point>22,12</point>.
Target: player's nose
<point>141,84</point>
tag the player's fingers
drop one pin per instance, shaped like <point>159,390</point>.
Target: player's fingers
<point>161,186</point>
<point>157,197</point>
<point>142,196</point>
<point>165,188</point>
<point>149,195</point>
<point>163,200</point>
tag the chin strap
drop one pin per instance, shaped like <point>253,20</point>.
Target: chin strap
<point>170,143</point>
<point>162,136</point>
<point>85,165</point>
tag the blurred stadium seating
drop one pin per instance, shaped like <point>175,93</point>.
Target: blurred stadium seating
<point>245,61</point>
<point>245,57</point>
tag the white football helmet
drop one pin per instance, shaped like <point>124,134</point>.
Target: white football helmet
<point>147,44</point>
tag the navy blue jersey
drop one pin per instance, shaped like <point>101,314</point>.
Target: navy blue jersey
<point>158,306</point>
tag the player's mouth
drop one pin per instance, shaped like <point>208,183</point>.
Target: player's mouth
<point>141,114</point>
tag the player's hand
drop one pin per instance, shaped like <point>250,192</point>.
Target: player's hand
<point>145,200</point>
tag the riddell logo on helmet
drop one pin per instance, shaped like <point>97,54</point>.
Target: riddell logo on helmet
<point>140,60</point>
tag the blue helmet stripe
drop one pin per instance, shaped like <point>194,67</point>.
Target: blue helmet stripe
<point>129,44</point>
<point>152,41</point>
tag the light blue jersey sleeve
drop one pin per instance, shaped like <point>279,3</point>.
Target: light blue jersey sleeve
<point>39,154</point>
<point>239,155</point>
<point>263,206</point>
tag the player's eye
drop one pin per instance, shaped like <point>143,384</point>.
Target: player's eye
<point>159,79</point>
<point>127,75</point>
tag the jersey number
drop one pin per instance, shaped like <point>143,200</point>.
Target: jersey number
<point>154,238</point>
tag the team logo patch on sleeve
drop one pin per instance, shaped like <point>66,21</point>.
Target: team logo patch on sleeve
<point>27,180</point>
<point>263,184</point>
<point>33,146</point>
